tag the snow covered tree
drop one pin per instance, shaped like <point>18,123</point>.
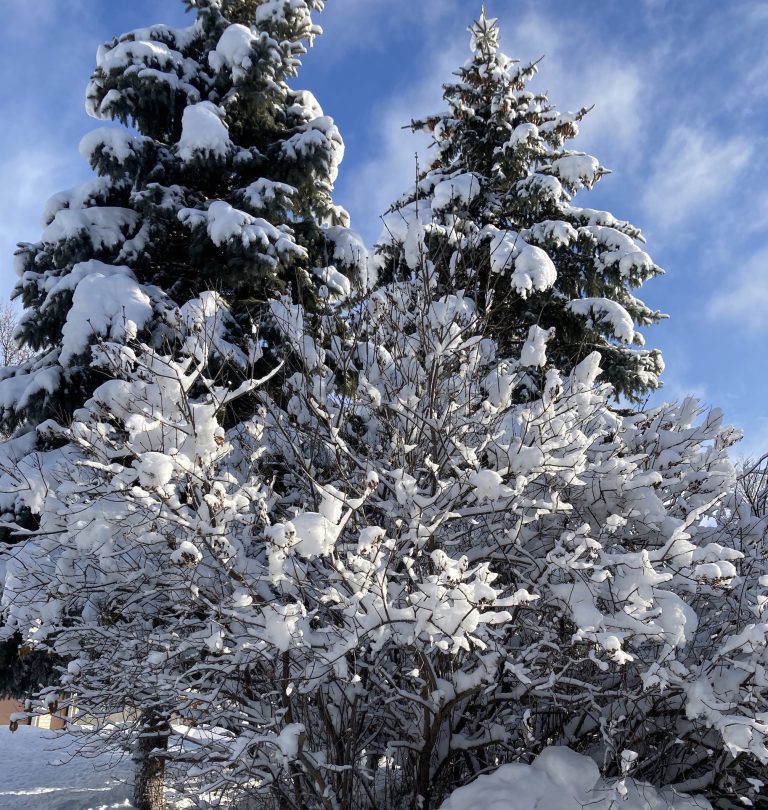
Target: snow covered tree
<point>139,546</point>
<point>496,201</point>
<point>400,572</point>
<point>11,352</point>
<point>225,185</point>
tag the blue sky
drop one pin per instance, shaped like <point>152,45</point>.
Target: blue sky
<point>680,89</point>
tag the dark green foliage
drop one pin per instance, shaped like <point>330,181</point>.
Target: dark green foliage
<point>23,671</point>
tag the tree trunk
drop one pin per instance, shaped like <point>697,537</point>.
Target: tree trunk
<point>149,759</point>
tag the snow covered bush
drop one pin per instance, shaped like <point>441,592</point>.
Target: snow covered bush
<point>399,573</point>
<point>479,574</point>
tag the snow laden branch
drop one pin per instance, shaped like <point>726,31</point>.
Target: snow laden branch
<point>400,571</point>
<point>481,573</point>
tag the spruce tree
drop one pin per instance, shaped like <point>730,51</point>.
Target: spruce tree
<point>225,184</point>
<point>496,203</point>
<point>213,175</point>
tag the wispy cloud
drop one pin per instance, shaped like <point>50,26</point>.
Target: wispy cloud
<point>575,75</point>
<point>27,180</point>
<point>742,297</point>
<point>754,443</point>
<point>696,168</point>
<point>49,51</point>
<point>352,26</point>
<point>389,167</point>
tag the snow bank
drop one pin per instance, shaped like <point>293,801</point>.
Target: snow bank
<point>560,779</point>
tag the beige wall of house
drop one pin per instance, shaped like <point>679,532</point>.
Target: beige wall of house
<point>8,706</point>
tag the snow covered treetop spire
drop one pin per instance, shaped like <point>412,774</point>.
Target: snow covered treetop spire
<point>485,35</point>
<point>147,76</point>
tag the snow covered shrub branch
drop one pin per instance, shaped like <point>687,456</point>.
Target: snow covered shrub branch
<point>403,569</point>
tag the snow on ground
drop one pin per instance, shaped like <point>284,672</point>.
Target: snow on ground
<point>29,779</point>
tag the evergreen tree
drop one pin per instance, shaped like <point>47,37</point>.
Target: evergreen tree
<point>225,183</point>
<point>496,202</point>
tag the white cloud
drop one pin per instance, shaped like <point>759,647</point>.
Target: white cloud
<point>743,296</point>
<point>27,180</point>
<point>373,25</point>
<point>575,74</point>
<point>755,441</point>
<point>681,378</point>
<point>49,50</point>
<point>695,169</point>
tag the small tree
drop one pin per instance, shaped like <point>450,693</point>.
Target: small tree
<point>496,203</point>
<point>11,351</point>
<point>753,484</point>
